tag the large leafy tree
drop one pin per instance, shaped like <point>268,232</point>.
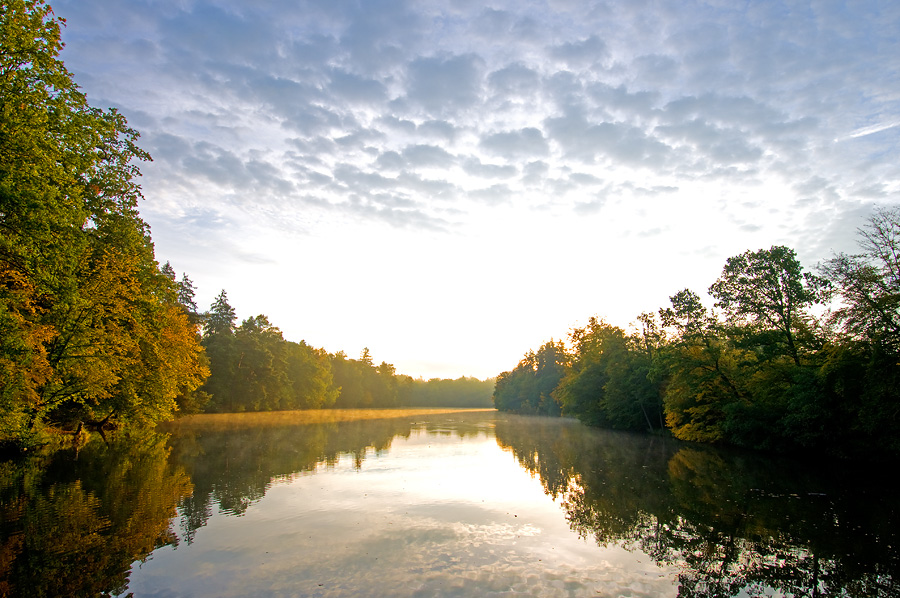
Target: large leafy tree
<point>862,371</point>
<point>90,328</point>
<point>698,370</point>
<point>869,282</point>
<point>768,290</point>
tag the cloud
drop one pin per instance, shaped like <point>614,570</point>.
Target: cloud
<point>360,139</point>
<point>438,129</point>
<point>641,104</point>
<point>652,70</point>
<point>620,142</point>
<point>872,129</point>
<point>445,85</point>
<point>429,189</point>
<point>524,143</point>
<point>390,161</point>
<point>582,53</point>
<point>589,208</point>
<point>514,80</point>
<point>211,36</point>
<point>396,124</point>
<point>492,24</point>
<point>225,168</point>
<point>584,179</point>
<point>722,146</point>
<point>494,194</point>
<point>362,182</point>
<point>378,35</point>
<point>742,112</point>
<point>475,167</point>
<point>354,88</point>
<point>533,173</point>
<point>425,156</point>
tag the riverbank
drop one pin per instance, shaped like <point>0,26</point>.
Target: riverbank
<point>303,416</point>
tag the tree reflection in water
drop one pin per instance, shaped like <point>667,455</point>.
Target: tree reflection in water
<point>736,524</point>
<point>732,523</point>
<point>72,524</point>
<point>232,465</point>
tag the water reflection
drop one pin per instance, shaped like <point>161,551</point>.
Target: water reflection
<point>232,465</point>
<point>468,504</point>
<point>735,524</point>
<point>72,524</point>
<point>430,508</point>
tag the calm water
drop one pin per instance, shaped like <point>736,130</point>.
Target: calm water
<point>476,504</point>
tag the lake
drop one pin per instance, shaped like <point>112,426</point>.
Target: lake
<point>438,504</point>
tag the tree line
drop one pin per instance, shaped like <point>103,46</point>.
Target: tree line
<point>253,368</point>
<point>785,359</point>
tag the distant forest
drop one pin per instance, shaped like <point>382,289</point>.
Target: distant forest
<point>253,368</point>
<point>785,360</point>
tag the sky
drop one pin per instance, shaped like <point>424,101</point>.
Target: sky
<point>453,183</point>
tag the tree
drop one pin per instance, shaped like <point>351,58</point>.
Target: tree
<point>168,271</point>
<point>862,370</point>
<point>529,387</point>
<point>186,293</point>
<point>88,320</point>
<point>768,289</point>
<point>462,392</point>
<point>220,318</point>
<point>607,384</point>
<point>869,282</point>
<point>698,371</point>
<point>310,377</point>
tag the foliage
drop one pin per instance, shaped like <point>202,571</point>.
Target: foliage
<point>255,369</point>
<point>529,387</point>
<point>767,291</point>
<point>608,384</point>
<point>363,384</point>
<point>869,283</point>
<point>73,522</point>
<point>699,370</point>
<point>461,392</point>
<point>91,327</point>
<point>758,370</point>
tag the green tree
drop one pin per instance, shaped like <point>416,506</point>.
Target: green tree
<point>309,376</point>
<point>862,370</point>
<point>461,392</point>
<point>768,289</point>
<point>869,282</point>
<point>221,318</point>
<point>608,384</point>
<point>88,320</point>
<point>186,294</point>
<point>362,384</point>
<point>698,371</point>
<point>168,271</point>
<point>529,388</point>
